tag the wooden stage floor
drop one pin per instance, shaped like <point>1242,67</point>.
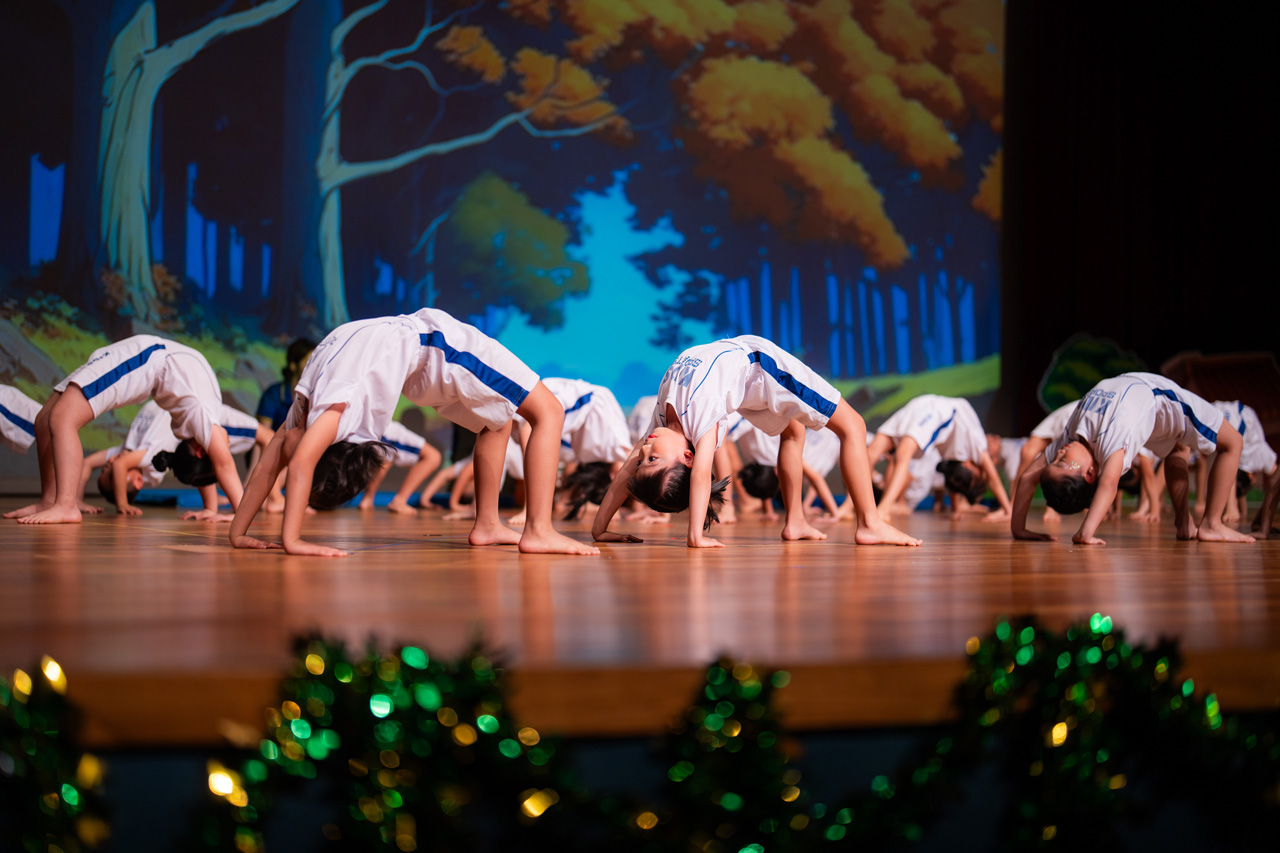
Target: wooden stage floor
<point>166,633</point>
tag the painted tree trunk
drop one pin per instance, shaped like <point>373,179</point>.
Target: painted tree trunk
<point>135,72</point>
<point>334,310</point>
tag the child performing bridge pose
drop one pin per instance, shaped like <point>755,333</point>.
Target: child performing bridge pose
<point>1081,468</point>
<point>670,469</point>
<point>343,403</point>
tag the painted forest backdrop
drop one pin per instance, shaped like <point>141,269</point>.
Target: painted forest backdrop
<point>597,183</point>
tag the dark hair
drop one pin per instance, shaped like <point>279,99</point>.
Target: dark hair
<point>1244,482</point>
<point>129,491</point>
<point>588,483</point>
<point>1130,481</point>
<point>760,481</point>
<point>344,470</point>
<point>1068,495</point>
<point>187,467</point>
<point>669,492</point>
<point>297,351</point>
<point>960,479</point>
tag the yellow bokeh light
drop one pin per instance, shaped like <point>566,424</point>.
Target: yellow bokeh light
<point>790,793</point>
<point>791,777</point>
<point>21,685</point>
<point>1117,782</point>
<point>238,797</point>
<point>315,664</point>
<point>53,672</point>
<point>800,821</point>
<point>389,758</point>
<point>406,843</point>
<point>89,771</point>
<point>646,820</point>
<point>447,716</point>
<point>528,736</point>
<point>291,710</point>
<point>92,831</point>
<point>464,734</point>
<point>220,783</point>
<point>1059,734</point>
<point>1048,833</point>
<point>538,802</point>
<point>743,671</point>
<point>731,728</point>
<point>972,645</point>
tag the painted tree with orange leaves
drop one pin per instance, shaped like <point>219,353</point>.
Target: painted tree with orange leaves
<point>765,86</point>
<point>548,96</point>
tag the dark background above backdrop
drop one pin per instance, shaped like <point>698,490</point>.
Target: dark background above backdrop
<point>1140,185</point>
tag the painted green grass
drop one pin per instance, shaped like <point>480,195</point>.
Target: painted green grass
<point>961,380</point>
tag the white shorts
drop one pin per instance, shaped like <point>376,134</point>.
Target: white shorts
<point>600,433</point>
<point>406,443</point>
<point>17,419</point>
<point>129,371</point>
<point>783,389</point>
<point>242,429</point>
<point>467,376</point>
<point>920,420</point>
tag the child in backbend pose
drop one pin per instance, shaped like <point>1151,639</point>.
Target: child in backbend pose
<point>1257,460</point>
<point>17,419</point>
<point>759,452</point>
<point>407,450</point>
<point>952,426</point>
<point>1081,468</point>
<point>149,450</point>
<point>670,469</point>
<point>121,374</point>
<point>594,441</point>
<point>331,442</point>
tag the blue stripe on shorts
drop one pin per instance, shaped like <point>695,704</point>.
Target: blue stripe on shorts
<point>945,424</point>
<point>1186,410</point>
<point>407,448</point>
<point>242,432</point>
<point>807,395</point>
<point>120,371</point>
<point>508,388</point>
<point>582,401</point>
<point>21,423</point>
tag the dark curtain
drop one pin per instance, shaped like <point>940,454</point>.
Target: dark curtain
<point>1139,184</point>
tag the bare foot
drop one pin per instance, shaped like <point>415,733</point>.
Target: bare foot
<point>881,532</point>
<point>30,509</point>
<point>1232,515</point>
<point>769,516</point>
<point>801,530</point>
<point>1185,530</point>
<point>1145,518</point>
<point>493,534</point>
<point>400,508</point>
<point>53,515</point>
<point>88,509</point>
<point>518,518</point>
<point>367,503</point>
<point>1197,509</point>
<point>1219,532</point>
<point>464,514</point>
<point>1051,515</point>
<point>274,507</point>
<point>728,515</point>
<point>537,540</point>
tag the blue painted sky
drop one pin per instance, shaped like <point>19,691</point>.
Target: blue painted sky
<point>605,337</point>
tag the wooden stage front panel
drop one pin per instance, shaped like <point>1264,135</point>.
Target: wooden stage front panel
<point>166,633</point>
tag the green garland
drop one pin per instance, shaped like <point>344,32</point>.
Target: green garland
<point>50,791</point>
<point>405,752</point>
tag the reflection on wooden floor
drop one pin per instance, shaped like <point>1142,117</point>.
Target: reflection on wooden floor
<point>165,631</point>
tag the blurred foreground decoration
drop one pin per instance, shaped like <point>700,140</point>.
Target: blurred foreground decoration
<point>50,791</point>
<point>1090,737</point>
